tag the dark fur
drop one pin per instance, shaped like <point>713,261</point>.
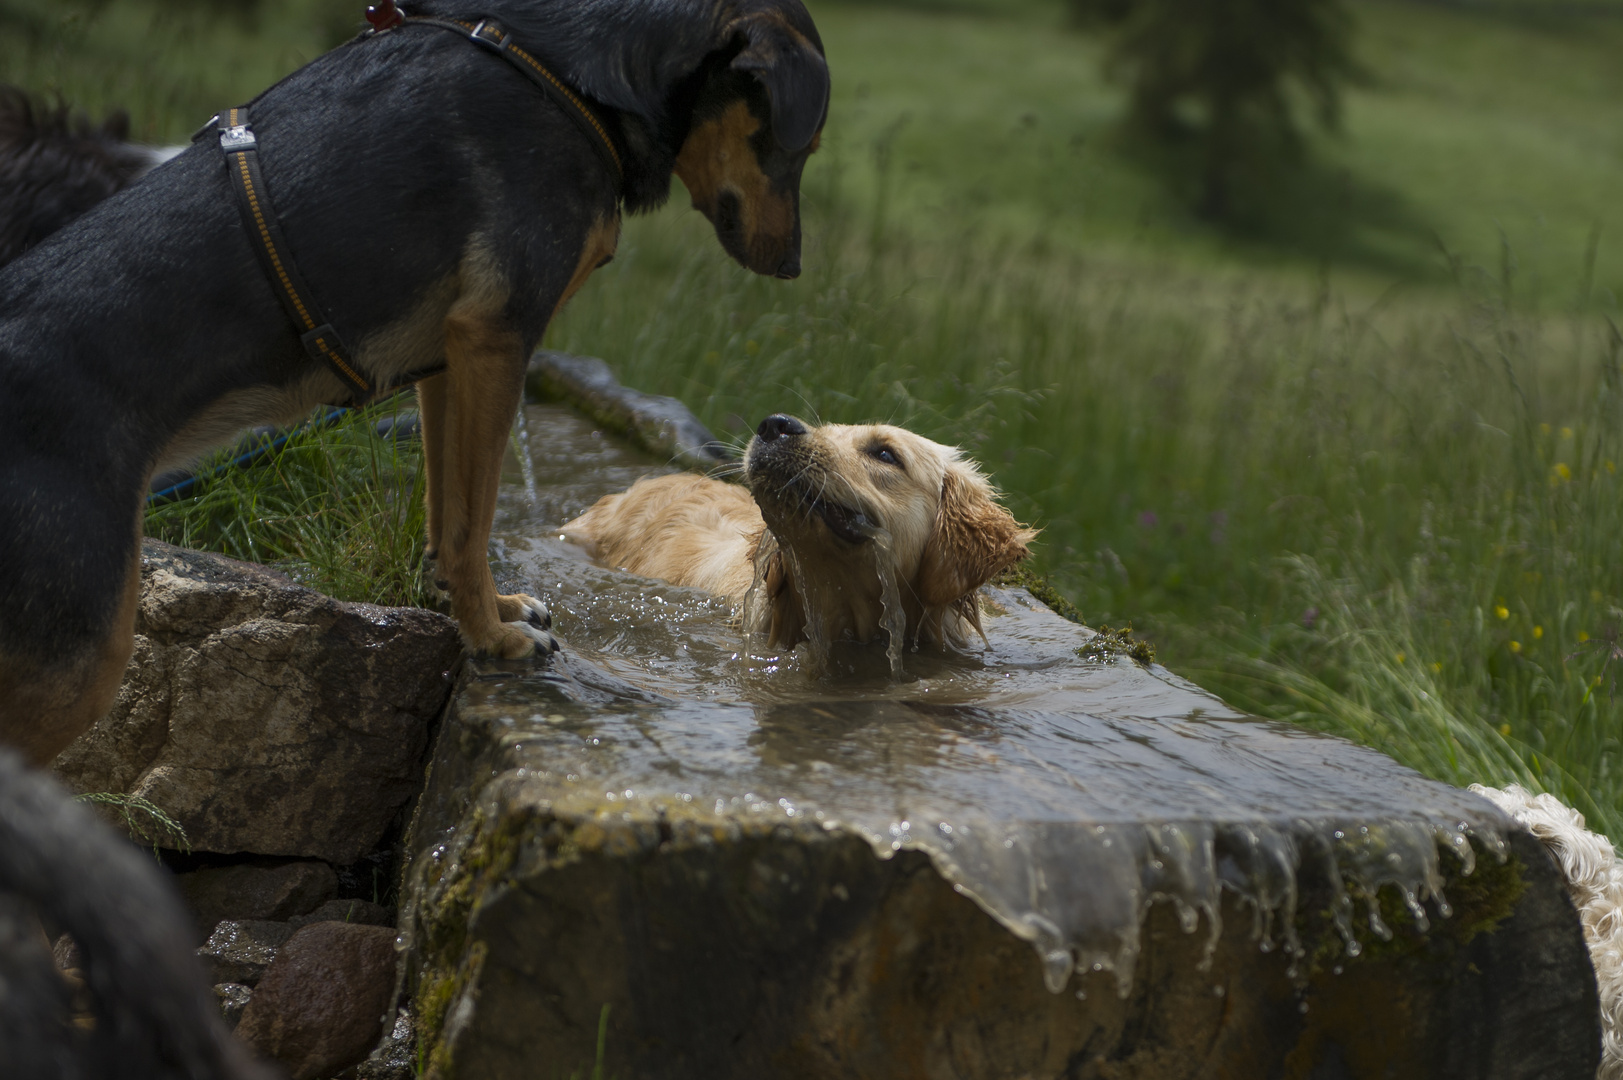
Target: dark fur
<point>154,1017</point>
<point>55,164</point>
<point>440,207</point>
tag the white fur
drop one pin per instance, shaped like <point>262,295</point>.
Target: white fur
<point>1595,882</point>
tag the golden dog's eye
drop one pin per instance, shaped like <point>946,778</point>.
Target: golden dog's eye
<point>885,454</point>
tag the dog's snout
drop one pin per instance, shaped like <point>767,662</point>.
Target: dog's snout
<point>789,268</point>
<point>777,426</point>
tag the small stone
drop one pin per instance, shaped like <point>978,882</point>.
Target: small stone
<point>363,912</point>
<point>66,953</point>
<point>256,892</point>
<point>396,1056</point>
<point>240,951</point>
<point>322,1003</point>
<point>234,998</point>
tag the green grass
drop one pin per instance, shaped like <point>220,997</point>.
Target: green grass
<point>1350,460</point>
<point>143,820</point>
<point>337,507</point>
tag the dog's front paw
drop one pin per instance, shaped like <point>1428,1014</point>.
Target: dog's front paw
<point>515,640</point>
<point>520,608</point>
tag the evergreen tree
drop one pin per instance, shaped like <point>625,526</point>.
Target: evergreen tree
<point>1233,67</point>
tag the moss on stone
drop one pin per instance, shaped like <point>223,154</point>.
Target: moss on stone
<point>1108,644</point>
<point>448,961</point>
<point>1023,577</point>
<point>1479,902</point>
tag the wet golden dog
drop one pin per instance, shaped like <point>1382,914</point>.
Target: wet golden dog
<point>837,512</point>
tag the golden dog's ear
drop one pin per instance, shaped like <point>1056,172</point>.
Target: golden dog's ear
<point>792,69</point>
<point>974,540</point>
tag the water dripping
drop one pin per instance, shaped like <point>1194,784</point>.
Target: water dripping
<point>894,619</point>
<point>817,635</point>
<point>526,463</point>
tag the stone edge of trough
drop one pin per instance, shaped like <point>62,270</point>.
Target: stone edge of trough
<point>663,426</point>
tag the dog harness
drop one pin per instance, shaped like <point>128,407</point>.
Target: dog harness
<point>240,146</point>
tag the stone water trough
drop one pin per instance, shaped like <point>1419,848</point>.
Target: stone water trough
<point>1036,860</point>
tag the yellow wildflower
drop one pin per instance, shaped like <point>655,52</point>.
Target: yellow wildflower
<point>1515,646</point>
<point>1561,472</point>
<point>1504,729</point>
<point>1401,658</point>
<point>1566,433</point>
<point>1501,611</point>
<point>1538,632</point>
<point>1582,637</point>
<point>1437,665</point>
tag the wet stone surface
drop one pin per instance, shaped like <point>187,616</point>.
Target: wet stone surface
<point>1010,862</point>
<point>239,951</point>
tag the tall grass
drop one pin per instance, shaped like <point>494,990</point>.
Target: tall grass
<point>1399,522</point>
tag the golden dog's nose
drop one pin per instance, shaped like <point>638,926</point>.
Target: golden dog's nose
<point>778,425</point>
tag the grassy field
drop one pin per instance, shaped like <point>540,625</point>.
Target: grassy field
<point>1350,460</point>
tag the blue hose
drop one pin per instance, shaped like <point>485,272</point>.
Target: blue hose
<point>180,484</point>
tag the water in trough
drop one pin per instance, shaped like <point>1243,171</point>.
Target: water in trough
<point>1070,799</point>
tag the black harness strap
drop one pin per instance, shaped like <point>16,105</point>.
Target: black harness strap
<point>241,149</point>
<point>320,340</point>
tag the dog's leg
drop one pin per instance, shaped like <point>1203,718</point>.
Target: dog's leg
<point>431,417</point>
<point>431,423</point>
<point>43,709</point>
<point>484,381</point>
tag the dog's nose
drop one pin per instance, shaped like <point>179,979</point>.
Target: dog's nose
<point>778,425</point>
<point>789,268</point>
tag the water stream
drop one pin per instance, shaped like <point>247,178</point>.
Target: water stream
<point>1063,795</point>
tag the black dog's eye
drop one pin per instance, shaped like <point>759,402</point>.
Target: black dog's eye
<point>885,454</point>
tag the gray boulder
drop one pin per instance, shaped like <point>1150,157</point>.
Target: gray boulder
<point>263,716</point>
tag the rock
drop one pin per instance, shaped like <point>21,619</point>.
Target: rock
<point>363,912</point>
<point>246,891</point>
<point>321,1005</point>
<point>67,954</point>
<point>1028,860</point>
<point>661,425</point>
<point>240,951</point>
<point>234,998</point>
<point>1033,859</point>
<point>396,1056</point>
<point>264,716</point>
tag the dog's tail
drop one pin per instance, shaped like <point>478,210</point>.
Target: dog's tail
<point>145,1010</point>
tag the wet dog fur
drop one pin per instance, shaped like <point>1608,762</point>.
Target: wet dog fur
<point>443,209</point>
<point>823,506</point>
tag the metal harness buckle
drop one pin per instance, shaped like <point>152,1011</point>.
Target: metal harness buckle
<point>489,35</point>
<point>237,137</point>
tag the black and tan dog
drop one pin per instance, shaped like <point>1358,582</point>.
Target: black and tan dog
<point>443,209</point>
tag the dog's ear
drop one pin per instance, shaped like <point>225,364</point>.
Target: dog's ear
<point>974,540</point>
<point>792,70</point>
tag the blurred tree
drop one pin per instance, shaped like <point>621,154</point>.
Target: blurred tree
<point>1232,70</point>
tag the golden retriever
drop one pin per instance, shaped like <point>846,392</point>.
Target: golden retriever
<point>841,516</point>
